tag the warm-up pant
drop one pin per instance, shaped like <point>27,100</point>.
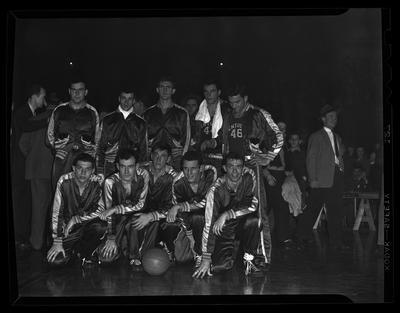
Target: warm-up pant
<point>84,239</point>
<point>192,222</point>
<point>131,242</point>
<point>245,229</point>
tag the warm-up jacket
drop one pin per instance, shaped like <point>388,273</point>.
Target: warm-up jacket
<point>127,133</point>
<point>114,194</point>
<point>172,128</point>
<point>69,203</point>
<point>221,198</point>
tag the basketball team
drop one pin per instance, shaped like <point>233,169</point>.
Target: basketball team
<point>192,185</point>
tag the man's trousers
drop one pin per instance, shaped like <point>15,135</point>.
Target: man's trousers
<point>245,229</point>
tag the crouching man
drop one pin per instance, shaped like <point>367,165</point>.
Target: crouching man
<point>76,207</point>
<point>130,230</point>
<point>230,213</point>
<point>183,226</point>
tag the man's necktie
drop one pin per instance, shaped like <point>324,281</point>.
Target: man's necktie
<point>341,167</point>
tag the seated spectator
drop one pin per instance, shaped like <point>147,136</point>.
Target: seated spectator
<point>374,172</point>
<point>296,164</point>
<point>348,160</point>
<point>361,160</point>
<point>359,182</point>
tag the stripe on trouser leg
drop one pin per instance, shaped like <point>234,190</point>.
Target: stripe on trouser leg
<point>260,213</point>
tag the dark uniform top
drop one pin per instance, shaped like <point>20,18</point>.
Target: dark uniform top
<point>127,133</point>
<point>184,194</point>
<point>171,128</point>
<point>203,131</point>
<point>69,203</point>
<point>80,125</point>
<point>253,133</point>
<point>159,197</point>
<point>221,198</point>
<point>115,194</point>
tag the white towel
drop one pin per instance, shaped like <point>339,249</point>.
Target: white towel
<point>204,116</point>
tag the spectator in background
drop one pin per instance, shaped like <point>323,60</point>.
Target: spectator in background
<point>374,171</point>
<point>324,161</point>
<point>38,162</point>
<point>23,122</point>
<point>361,159</point>
<point>296,164</point>
<point>348,161</point>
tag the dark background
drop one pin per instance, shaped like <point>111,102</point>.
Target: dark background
<point>292,65</point>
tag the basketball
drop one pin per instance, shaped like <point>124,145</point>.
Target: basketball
<point>155,261</point>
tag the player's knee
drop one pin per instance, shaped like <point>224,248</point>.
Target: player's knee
<point>251,222</point>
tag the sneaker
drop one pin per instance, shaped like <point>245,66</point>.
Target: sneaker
<point>249,266</point>
<point>135,264</point>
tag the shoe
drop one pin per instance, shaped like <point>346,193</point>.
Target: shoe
<point>90,262</point>
<point>249,266</point>
<point>136,264</point>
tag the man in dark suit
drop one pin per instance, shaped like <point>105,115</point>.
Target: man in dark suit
<point>325,171</point>
<point>38,163</point>
<point>22,121</point>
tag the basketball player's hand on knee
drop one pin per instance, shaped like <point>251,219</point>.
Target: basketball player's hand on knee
<point>219,224</point>
<point>72,222</point>
<point>109,249</point>
<point>204,269</point>
<point>143,219</point>
<point>55,249</point>
<point>172,212</point>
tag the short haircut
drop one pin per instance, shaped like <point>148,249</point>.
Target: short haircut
<point>293,133</point>
<point>84,157</point>
<point>126,154</point>
<point>236,89</point>
<point>212,81</point>
<point>162,147</point>
<point>190,96</point>
<point>166,78</point>
<point>126,87</point>
<point>233,156</point>
<point>34,90</point>
<point>77,78</point>
<point>192,156</point>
